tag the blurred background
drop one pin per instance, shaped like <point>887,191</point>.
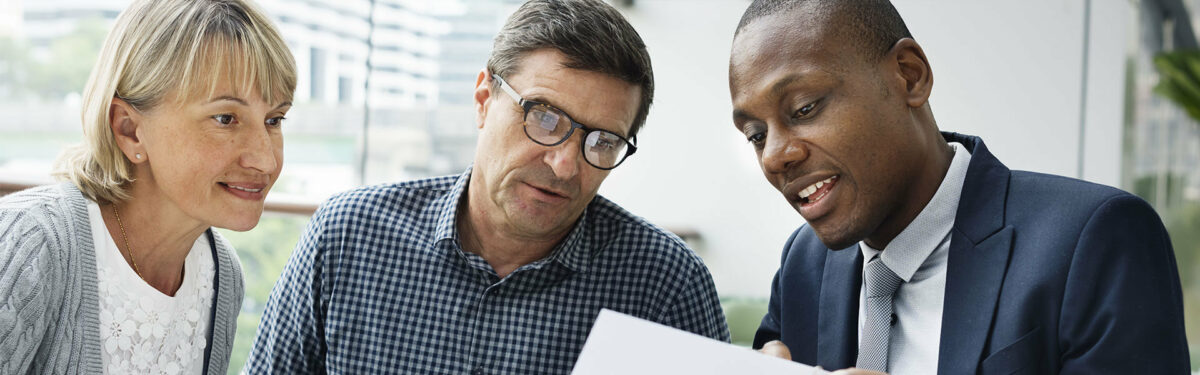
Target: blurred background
<point>1057,86</point>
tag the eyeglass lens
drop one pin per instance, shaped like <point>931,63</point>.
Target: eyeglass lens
<point>547,126</point>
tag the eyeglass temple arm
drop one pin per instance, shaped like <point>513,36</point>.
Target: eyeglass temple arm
<point>504,86</point>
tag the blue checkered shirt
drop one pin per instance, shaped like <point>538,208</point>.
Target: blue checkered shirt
<point>379,284</point>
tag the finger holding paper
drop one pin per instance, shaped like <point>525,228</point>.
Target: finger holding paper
<point>776,348</point>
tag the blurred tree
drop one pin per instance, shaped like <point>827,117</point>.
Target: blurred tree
<point>743,315</point>
<point>14,62</point>
<point>50,74</point>
<point>69,62</point>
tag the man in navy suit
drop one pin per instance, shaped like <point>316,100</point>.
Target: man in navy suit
<point>922,253</point>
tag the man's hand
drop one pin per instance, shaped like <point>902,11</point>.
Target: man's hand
<point>776,348</point>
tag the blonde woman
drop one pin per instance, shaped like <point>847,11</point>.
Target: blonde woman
<point>117,270</point>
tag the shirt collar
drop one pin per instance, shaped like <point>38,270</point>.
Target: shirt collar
<point>573,252</point>
<point>446,209</point>
<point>912,246</point>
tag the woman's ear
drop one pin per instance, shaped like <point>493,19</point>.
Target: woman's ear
<point>124,120</point>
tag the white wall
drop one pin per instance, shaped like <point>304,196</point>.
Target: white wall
<point>1007,71</point>
<point>1010,72</point>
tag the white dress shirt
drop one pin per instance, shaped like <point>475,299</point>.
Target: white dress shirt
<point>918,255</point>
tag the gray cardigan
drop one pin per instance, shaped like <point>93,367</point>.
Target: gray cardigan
<point>49,310</point>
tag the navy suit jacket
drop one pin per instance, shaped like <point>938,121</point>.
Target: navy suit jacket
<point>1046,275</point>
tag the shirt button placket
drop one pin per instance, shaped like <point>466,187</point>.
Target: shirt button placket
<point>490,291</point>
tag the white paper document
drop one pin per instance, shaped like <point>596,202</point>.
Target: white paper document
<point>624,345</point>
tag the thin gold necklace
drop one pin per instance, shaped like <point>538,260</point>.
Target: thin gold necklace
<point>126,238</point>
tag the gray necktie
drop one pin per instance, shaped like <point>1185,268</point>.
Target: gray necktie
<point>881,284</point>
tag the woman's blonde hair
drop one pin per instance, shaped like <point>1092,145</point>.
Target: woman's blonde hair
<point>157,47</point>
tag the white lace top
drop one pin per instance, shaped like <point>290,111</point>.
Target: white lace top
<point>142,330</point>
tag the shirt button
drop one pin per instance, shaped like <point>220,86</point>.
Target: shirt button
<point>477,371</point>
<point>895,319</point>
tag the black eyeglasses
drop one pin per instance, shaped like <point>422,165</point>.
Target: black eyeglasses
<point>550,126</point>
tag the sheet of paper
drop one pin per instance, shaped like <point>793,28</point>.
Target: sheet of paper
<point>624,345</point>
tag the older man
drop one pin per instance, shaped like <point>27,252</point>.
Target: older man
<point>504,268</point>
<point>922,253</point>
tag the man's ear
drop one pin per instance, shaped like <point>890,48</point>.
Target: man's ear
<point>124,121</point>
<point>483,94</point>
<point>913,68</point>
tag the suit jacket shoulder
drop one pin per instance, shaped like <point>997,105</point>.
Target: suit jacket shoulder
<point>1046,274</point>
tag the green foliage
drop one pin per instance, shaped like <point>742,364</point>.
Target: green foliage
<point>247,328</point>
<point>263,251</point>
<point>743,316</point>
<point>1179,80</point>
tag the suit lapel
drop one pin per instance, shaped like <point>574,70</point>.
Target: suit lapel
<point>973,278</point>
<point>837,317</point>
<point>980,246</point>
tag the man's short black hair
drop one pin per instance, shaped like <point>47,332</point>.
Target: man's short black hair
<point>873,26</point>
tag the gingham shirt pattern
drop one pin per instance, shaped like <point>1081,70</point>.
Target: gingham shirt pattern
<point>379,284</point>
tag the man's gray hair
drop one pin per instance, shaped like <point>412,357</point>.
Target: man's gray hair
<point>590,33</point>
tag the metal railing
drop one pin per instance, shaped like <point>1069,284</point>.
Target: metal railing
<point>272,206</point>
<point>691,236</point>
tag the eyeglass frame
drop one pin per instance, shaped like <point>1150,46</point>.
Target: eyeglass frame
<point>526,105</point>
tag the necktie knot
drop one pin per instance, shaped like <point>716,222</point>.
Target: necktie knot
<point>880,280</point>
